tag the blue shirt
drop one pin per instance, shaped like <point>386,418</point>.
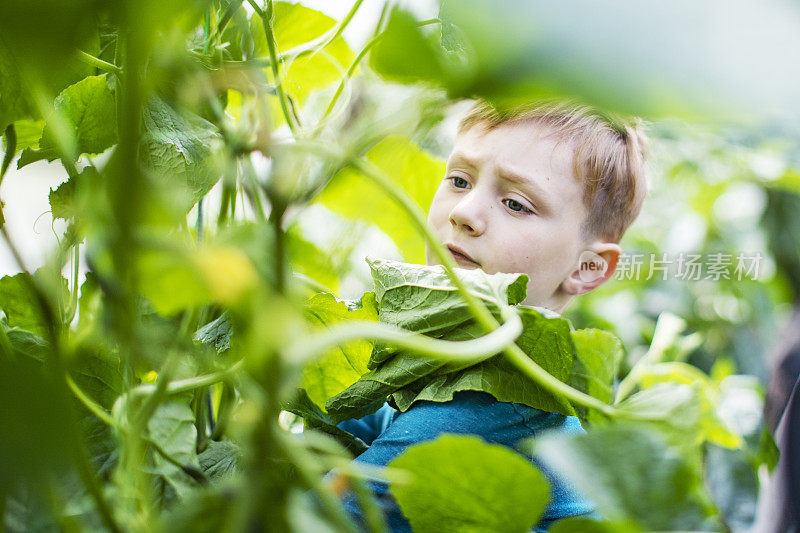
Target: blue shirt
<point>388,433</point>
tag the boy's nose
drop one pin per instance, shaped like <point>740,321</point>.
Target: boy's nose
<point>467,216</point>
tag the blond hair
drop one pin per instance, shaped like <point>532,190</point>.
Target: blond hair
<point>608,158</point>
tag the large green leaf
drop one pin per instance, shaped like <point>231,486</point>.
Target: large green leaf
<point>544,340</point>
<point>423,299</point>
<point>220,459</point>
<point>632,473</point>
<point>461,483</point>
<point>85,115</point>
<point>172,427</point>
<point>353,195</point>
<point>340,367</point>
<point>177,148</point>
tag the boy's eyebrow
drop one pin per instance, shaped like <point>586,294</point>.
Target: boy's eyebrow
<point>508,173</point>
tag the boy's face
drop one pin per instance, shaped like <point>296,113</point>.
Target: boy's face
<point>511,202</point>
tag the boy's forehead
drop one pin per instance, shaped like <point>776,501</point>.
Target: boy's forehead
<point>520,145</point>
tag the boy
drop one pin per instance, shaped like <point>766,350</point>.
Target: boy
<point>545,190</point>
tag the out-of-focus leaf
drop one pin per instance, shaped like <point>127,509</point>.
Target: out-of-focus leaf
<point>88,112</point>
<point>733,484</point>
<point>98,373</point>
<point>35,424</point>
<point>26,343</point>
<point>20,305</point>
<point>405,53</point>
<point>174,277</point>
<point>599,355</point>
<point>307,258</point>
<point>659,378</point>
<point>316,419</point>
<point>417,173</point>
<point>631,473</point>
<point>462,483</point>
<point>13,101</point>
<point>46,63</point>
<point>340,367</point>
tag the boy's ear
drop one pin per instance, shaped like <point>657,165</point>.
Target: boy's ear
<point>595,266</point>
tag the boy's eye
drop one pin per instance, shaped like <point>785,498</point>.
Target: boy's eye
<point>516,206</point>
<point>459,182</point>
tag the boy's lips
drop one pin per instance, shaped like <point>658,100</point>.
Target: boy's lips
<point>460,255</point>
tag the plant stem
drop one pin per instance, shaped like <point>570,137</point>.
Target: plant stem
<point>73,303</point>
<point>276,220</point>
<point>266,19</point>
<point>477,349</point>
<point>99,63</point>
<point>11,150</point>
<point>189,384</point>
<point>323,40</point>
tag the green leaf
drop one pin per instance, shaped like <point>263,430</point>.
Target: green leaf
<point>217,332</point>
<point>686,398</point>
<point>599,355</point>
<point>14,104</point>
<point>28,134</point>
<point>70,199</point>
<point>86,115</point>
<point>404,53</point>
<point>26,343</point>
<point>340,367</point>
<point>172,427</point>
<point>315,419</point>
<point>416,172</point>
<point>293,25</point>
<point>545,340</point>
<point>176,148</point>
<point>20,304</point>
<point>98,373</point>
<point>422,299</point>
<point>461,483</point>
<point>35,423</point>
<point>219,459</point>
<point>309,259</point>
<point>631,473</point>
